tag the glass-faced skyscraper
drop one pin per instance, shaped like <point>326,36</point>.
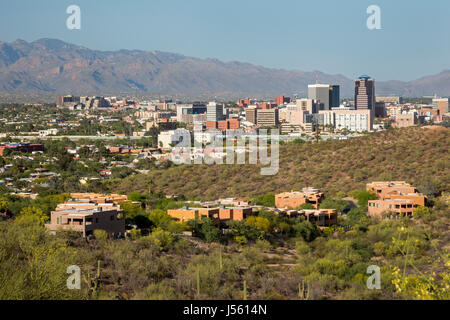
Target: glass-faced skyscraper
<point>334,96</point>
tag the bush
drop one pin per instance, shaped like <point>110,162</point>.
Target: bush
<point>100,234</point>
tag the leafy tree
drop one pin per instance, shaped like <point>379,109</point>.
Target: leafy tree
<point>330,203</point>
<point>100,235</point>
<point>306,230</point>
<point>363,197</point>
<point>36,212</point>
<point>356,216</point>
<point>241,228</point>
<point>259,223</point>
<point>266,200</point>
<point>306,205</point>
<point>421,212</point>
<point>209,231</point>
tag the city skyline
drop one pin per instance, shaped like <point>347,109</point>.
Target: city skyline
<point>295,41</point>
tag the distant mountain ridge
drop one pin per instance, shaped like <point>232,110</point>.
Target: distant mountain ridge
<point>54,66</point>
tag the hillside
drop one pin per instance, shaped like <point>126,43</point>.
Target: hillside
<point>417,155</point>
<point>50,66</point>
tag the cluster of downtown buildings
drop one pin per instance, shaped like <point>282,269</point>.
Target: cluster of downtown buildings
<point>86,212</point>
<point>323,108</point>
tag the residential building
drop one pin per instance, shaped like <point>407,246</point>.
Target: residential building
<point>21,147</point>
<point>399,207</point>
<point>294,199</point>
<point>185,214</point>
<point>321,217</point>
<point>396,197</point>
<point>87,215</point>
<point>219,215</point>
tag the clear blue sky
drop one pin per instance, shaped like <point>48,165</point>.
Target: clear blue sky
<point>326,35</point>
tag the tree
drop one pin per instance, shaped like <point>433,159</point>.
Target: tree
<point>306,205</point>
<point>33,211</point>
<point>306,230</point>
<point>421,212</point>
<point>160,218</point>
<point>330,203</point>
<point>357,216</point>
<point>267,200</point>
<point>259,223</point>
<point>209,231</point>
<point>363,197</point>
<point>100,235</point>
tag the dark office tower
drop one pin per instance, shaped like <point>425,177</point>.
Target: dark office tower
<point>334,96</point>
<point>365,93</point>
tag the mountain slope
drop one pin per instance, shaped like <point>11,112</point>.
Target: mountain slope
<point>417,155</point>
<point>53,66</point>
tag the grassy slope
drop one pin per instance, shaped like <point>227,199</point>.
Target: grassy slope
<point>411,154</point>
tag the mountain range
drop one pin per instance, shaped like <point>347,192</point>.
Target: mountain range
<point>53,66</point>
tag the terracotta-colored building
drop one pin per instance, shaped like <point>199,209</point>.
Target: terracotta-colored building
<point>185,214</point>
<point>321,217</point>
<point>397,197</point>
<point>400,207</point>
<point>381,188</point>
<point>99,197</point>
<point>294,199</point>
<point>222,214</point>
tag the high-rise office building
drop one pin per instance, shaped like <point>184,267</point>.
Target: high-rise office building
<point>251,115</point>
<point>334,96</point>
<point>214,112</point>
<point>267,117</point>
<point>365,93</point>
<point>320,93</point>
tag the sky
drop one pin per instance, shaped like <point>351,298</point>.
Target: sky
<point>326,35</point>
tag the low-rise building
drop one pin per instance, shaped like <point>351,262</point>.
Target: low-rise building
<point>21,147</point>
<point>87,215</point>
<point>397,197</point>
<point>218,215</point>
<point>295,199</point>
